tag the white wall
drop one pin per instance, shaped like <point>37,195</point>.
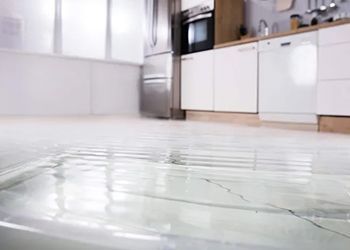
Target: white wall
<point>51,85</point>
<point>114,88</point>
<point>127,24</point>
<point>27,25</point>
<point>74,28</point>
<point>258,9</point>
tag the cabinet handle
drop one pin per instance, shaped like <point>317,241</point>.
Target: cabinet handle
<point>306,42</point>
<point>187,59</point>
<point>286,44</point>
<point>247,49</point>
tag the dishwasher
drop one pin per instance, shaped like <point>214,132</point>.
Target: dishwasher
<point>288,79</point>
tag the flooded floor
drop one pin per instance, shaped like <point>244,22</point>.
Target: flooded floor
<point>129,183</point>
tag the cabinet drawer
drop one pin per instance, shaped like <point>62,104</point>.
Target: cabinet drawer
<point>334,61</point>
<point>339,34</point>
<point>333,98</point>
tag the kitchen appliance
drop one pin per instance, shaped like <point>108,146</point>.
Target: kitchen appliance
<point>288,79</point>
<point>198,28</point>
<point>160,88</point>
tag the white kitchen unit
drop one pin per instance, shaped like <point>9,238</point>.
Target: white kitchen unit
<point>333,95</point>
<point>49,85</point>
<point>236,79</point>
<point>288,79</point>
<point>197,80</point>
<point>187,4</point>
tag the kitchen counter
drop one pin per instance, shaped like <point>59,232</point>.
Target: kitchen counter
<point>281,34</point>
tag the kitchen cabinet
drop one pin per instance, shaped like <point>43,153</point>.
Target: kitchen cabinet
<point>288,79</point>
<point>333,98</point>
<point>229,16</point>
<point>236,79</point>
<point>197,80</point>
<point>334,61</point>
<point>333,93</point>
<point>334,35</point>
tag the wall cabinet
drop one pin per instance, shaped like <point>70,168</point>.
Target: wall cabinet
<point>229,16</point>
<point>197,80</point>
<point>333,93</point>
<point>236,79</point>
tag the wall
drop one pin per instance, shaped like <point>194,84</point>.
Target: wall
<point>264,9</point>
<point>102,29</point>
<point>32,84</point>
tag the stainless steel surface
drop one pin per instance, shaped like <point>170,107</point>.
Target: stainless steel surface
<point>333,5</point>
<point>158,23</point>
<point>263,31</point>
<point>309,10</point>
<point>317,9</point>
<point>206,6</point>
<point>158,66</point>
<point>156,97</point>
<point>160,90</point>
<point>198,28</point>
<point>199,17</point>
<point>323,6</point>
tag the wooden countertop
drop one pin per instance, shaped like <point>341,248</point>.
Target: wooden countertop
<point>287,33</point>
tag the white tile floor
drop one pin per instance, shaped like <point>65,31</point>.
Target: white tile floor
<point>125,183</point>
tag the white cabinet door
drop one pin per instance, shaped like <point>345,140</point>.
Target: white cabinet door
<point>197,80</point>
<point>333,93</point>
<point>334,61</point>
<point>334,35</point>
<point>236,79</point>
<point>333,98</point>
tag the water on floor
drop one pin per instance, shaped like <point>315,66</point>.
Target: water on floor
<point>115,183</point>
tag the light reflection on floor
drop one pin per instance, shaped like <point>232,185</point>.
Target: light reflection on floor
<point>155,184</point>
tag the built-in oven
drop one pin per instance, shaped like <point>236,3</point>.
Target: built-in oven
<point>198,28</point>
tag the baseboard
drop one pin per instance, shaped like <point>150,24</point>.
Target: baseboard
<point>291,126</point>
<point>246,119</point>
<point>288,118</point>
<point>234,118</point>
<point>335,124</point>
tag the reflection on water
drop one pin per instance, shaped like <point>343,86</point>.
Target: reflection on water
<point>155,181</point>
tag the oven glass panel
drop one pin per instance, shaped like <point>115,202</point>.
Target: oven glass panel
<point>201,34</point>
<point>198,36</point>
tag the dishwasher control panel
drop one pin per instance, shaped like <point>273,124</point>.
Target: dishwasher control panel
<point>288,41</point>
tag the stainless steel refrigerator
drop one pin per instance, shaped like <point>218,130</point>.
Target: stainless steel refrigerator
<point>160,88</point>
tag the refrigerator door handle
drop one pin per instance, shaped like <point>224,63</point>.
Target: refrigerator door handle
<point>149,12</point>
<point>154,22</point>
<point>154,76</point>
<point>154,81</point>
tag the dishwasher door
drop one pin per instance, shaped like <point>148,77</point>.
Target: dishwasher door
<point>288,78</point>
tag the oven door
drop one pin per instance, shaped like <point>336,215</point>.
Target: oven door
<point>198,33</point>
